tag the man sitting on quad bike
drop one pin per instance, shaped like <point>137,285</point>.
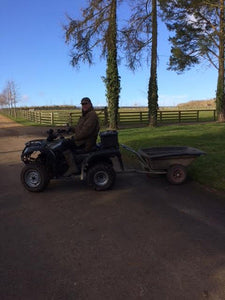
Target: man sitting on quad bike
<point>85,134</point>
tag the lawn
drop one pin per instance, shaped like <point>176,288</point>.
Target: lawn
<point>208,170</point>
<point>26,122</point>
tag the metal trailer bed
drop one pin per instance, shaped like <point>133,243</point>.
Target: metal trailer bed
<point>170,160</point>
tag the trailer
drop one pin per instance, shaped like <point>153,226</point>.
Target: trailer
<point>170,160</point>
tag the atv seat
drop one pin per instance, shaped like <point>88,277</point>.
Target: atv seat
<point>81,150</point>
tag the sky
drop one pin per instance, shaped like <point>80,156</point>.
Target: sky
<point>33,54</point>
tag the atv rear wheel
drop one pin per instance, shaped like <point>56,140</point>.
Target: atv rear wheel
<point>101,176</point>
<point>34,177</point>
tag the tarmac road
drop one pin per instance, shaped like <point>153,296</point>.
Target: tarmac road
<point>144,239</point>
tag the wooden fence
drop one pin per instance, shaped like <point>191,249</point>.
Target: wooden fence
<point>56,118</point>
<point>168,116</point>
<point>133,117</point>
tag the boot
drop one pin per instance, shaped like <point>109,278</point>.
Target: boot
<point>71,163</point>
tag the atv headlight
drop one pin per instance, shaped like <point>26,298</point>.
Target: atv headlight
<point>34,143</point>
<point>26,151</point>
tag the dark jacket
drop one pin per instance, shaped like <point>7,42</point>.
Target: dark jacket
<point>86,130</point>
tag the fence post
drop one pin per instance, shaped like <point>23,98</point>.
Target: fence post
<point>105,116</point>
<point>160,116</point>
<point>37,117</point>
<point>141,119</point>
<point>70,119</point>
<point>197,115</point>
<point>118,117</point>
<point>52,118</point>
<point>179,116</point>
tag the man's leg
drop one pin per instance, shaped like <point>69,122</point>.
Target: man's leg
<point>71,163</point>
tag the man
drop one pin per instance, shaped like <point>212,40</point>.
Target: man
<point>85,133</point>
<point>86,130</point>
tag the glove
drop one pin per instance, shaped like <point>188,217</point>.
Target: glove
<point>61,131</point>
<point>70,129</point>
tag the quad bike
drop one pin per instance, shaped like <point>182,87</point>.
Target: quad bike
<point>44,160</point>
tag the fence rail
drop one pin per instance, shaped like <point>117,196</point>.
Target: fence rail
<point>61,118</point>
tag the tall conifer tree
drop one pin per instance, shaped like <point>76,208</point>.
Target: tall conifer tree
<point>198,28</point>
<point>98,28</point>
<point>140,36</point>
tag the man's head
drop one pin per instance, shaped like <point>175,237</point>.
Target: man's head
<point>86,104</point>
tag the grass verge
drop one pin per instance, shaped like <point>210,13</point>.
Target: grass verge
<point>26,122</point>
<point>208,170</point>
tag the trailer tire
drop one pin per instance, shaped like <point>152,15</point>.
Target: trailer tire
<point>176,174</point>
<point>34,177</point>
<point>101,176</point>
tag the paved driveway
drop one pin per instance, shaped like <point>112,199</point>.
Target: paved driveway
<point>145,239</point>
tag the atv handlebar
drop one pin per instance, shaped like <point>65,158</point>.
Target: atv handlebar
<point>52,135</point>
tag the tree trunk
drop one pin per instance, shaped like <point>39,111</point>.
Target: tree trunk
<point>153,87</point>
<point>220,93</point>
<point>112,75</point>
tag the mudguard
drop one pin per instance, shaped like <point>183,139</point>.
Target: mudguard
<point>28,150</point>
<point>100,156</point>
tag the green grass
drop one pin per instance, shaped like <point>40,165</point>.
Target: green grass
<point>208,170</point>
<point>26,122</point>
<point>205,116</point>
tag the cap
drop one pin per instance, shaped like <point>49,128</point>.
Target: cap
<point>85,100</point>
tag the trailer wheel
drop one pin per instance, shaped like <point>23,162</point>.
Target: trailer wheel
<point>176,174</point>
<point>34,177</point>
<point>101,176</point>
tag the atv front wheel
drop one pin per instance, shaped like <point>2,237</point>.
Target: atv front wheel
<point>34,177</point>
<point>101,177</point>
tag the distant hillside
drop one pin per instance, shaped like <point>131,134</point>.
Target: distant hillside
<point>194,104</point>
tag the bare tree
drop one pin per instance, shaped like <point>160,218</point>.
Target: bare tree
<point>3,100</point>
<point>10,96</point>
